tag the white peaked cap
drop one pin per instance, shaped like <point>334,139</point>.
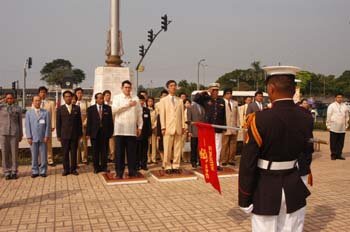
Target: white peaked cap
<point>280,70</point>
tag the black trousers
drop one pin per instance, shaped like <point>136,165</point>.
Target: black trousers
<point>125,144</point>
<point>194,150</point>
<point>337,144</point>
<point>100,147</point>
<point>141,151</point>
<point>69,147</point>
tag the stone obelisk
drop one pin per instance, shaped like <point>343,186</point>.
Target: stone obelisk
<point>111,76</point>
<point>113,58</point>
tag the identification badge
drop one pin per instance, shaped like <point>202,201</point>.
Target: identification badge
<point>41,121</point>
<point>145,115</point>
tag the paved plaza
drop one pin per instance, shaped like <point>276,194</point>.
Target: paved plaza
<point>85,203</point>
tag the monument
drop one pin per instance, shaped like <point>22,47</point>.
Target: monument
<point>110,76</point>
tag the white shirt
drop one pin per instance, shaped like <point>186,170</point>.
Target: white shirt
<point>337,117</point>
<point>260,106</point>
<point>69,108</point>
<point>127,119</point>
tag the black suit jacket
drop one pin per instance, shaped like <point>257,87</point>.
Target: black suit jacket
<point>215,113</point>
<point>285,132</point>
<point>68,125</point>
<point>94,123</point>
<point>147,126</point>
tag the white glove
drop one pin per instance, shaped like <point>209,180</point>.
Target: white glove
<point>248,209</point>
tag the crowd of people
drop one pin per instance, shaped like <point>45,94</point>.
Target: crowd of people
<point>135,130</point>
<point>146,131</point>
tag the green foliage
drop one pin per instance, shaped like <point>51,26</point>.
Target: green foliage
<point>187,88</point>
<point>320,126</point>
<point>55,71</point>
<point>311,84</point>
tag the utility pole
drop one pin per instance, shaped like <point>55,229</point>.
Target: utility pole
<point>27,64</point>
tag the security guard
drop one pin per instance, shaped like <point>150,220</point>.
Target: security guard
<point>269,182</point>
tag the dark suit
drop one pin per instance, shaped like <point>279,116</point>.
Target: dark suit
<point>195,113</point>
<point>142,140</point>
<point>284,134</point>
<point>69,130</point>
<point>253,107</point>
<point>100,131</point>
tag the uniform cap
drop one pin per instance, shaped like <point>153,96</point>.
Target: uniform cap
<point>281,70</point>
<point>214,86</point>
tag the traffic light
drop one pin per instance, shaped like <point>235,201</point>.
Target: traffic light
<point>142,50</point>
<point>150,36</point>
<point>14,85</point>
<point>30,62</point>
<point>165,22</point>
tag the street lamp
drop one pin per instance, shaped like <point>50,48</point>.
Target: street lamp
<point>199,63</point>
<point>204,66</point>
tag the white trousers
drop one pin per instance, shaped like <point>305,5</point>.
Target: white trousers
<point>218,146</point>
<point>293,222</point>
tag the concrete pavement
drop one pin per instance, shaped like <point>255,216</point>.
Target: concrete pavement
<point>85,203</point>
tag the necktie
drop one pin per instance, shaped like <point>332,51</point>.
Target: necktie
<point>173,100</point>
<point>42,104</point>
<point>69,108</point>
<point>229,105</point>
<point>100,111</point>
<point>37,113</point>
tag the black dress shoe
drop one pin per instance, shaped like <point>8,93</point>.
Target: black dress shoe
<point>194,165</point>
<point>65,173</point>
<point>8,177</point>
<point>95,171</point>
<point>14,176</point>
<point>341,158</point>
<point>43,175</point>
<point>75,173</point>
<point>224,164</point>
<point>333,158</point>
<point>34,175</point>
<point>219,168</point>
<point>176,171</point>
<point>232,163</point>
<point>168,171</point>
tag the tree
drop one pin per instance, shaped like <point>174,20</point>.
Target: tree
<point>343,83</point>
<point>257,74</point>
<point>187,88</point>
<point>54,72</point>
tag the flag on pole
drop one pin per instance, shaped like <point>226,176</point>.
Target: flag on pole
<point>207,153</point>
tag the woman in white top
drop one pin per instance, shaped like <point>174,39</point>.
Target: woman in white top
<point>152,141</point>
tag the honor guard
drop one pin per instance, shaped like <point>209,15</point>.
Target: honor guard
<point>270,185</point>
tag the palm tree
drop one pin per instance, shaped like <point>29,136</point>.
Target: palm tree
<point>256,72</point>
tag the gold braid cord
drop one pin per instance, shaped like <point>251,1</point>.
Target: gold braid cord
<point>251,124</point>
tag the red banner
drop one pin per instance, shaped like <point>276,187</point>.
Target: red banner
<point>207,154</point>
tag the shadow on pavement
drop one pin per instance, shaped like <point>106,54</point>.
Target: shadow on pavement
<point>53,196</point>
<point>325,213</point>
<point>238,215</point>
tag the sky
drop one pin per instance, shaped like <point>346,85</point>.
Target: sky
<point>228,34</point>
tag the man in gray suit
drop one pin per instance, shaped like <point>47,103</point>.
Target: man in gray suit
<point>257,105</point>
<point>195,113</point>
<point>10,135</point>
<point>38,130</point>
